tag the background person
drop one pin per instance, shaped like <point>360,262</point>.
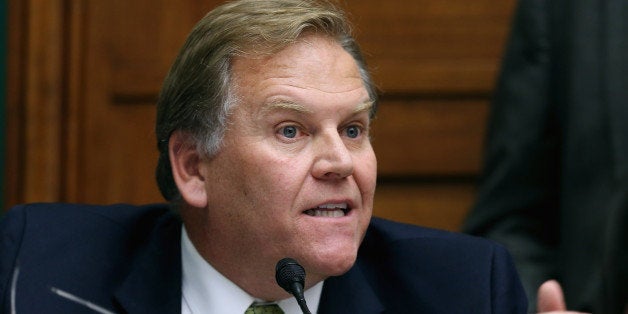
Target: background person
<point>555,177</point>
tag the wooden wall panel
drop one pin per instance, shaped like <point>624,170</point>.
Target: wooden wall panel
<point>84,76</point>
<point>429,138</point>
<point>35,101</point>
<point>142,41</point>
<point>128,47</point>
<point>435,63</point>
<point>432,46</point>
<point>439,204</point>
<point>13,184</point>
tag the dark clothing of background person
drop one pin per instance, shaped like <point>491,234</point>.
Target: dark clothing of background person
<point>555,176</point>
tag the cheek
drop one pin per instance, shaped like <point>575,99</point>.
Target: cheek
<point>365,172</point>
<point>275,178</point>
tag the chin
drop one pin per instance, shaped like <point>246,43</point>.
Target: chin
<point>328,265</point>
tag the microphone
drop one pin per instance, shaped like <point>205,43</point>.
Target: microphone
<point>291,276</point>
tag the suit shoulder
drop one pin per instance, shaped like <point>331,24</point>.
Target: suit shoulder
<point>69,214</point>
<point>388,232</point>
<point>435,267</point>
<point>49,225</point>
<point>410,242</point>
<point>84,249</point>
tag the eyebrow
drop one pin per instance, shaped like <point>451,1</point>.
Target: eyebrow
<point>364,107</point>
<point>285,105</point>
<point>293,106</point>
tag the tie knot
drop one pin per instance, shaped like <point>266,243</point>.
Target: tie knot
<point>266,308</point>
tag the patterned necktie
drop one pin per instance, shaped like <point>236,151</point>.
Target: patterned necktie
<point>269,308</point>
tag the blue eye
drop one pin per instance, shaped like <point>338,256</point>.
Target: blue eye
<point>289,131</point>
<point>353,131</point>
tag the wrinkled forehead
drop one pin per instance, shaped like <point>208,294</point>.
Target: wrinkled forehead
<point>312,62</point>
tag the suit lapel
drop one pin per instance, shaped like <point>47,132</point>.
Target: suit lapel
<point>349,293</point>
<point>154,282</point>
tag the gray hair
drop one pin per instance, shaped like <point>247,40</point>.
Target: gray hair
<point>196,96</point>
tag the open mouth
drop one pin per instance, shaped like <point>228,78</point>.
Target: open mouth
<point>329,210</point>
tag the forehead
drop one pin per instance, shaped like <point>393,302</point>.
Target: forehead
<point>313,62</point>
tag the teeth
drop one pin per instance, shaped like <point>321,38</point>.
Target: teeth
<point>334,206</point>
<point>325,213</point>
<point>328,210</point>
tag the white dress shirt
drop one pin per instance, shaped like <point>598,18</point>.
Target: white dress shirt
<point>205,290</point>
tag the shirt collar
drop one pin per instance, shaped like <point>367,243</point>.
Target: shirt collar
<point>205,290</point>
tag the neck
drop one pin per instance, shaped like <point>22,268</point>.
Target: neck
<point>255,276</point>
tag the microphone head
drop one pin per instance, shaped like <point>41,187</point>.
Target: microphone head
<point>287,272</point>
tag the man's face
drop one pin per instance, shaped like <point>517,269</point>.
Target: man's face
<point>296,174</point>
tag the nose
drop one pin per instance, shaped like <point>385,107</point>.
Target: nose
<point>333,158</point>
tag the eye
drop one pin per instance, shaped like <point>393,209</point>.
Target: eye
<point>289,131</point>
<point>353,131</point>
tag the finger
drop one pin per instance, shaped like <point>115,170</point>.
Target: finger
<point>550,297</point>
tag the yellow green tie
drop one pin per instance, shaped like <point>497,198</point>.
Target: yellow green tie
<point>267,308</point>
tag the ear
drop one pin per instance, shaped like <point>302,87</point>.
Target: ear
<point>186,161</point>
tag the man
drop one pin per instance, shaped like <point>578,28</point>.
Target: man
<point>555,184</point>
<point>262,129</point>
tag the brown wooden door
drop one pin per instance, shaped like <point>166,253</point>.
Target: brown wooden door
<point>128,47</point>
<point>84,76</point>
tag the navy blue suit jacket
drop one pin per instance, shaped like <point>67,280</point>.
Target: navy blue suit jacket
<point>127,259</point>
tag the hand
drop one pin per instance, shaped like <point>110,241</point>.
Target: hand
<point>551,299</point>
